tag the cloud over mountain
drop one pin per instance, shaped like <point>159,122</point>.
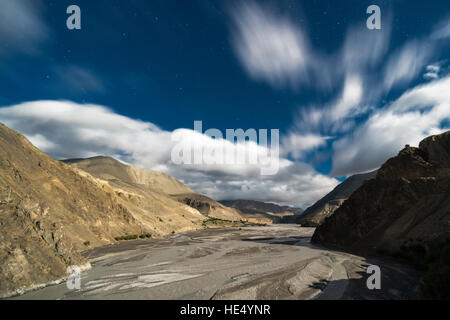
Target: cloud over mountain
<point>65,129</point>
<point>418,113</point>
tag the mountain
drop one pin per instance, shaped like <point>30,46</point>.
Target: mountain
<point>316,214</point>
<point>109,169</point>
<point>209,207</point>
<point>155,191</point>
<point>51,211</point>
<point>404,212</point>
<point>48,214</point>
<point>263,211</point>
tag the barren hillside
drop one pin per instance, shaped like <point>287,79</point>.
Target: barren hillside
<point>155,190</point>
<point>48,213</point>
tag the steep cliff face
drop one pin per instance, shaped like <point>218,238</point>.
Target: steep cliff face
<point>48,214</point>
<point>325,207</point>
<point>405,209</point>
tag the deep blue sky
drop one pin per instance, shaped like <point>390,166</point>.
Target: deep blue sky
<point>172,62</point>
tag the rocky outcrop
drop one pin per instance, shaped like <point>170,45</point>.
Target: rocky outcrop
<point>405,209</point>
<point>325,207</point>
<point>209,207</point>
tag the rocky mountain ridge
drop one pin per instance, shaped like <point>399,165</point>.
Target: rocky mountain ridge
<point>51,211</point>
<point>157,188</point>
<point>325,207</point>
<point>265,212</point>
<point>404,212</point>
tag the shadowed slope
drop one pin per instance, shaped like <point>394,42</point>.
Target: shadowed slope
<point>409,201</point>
<point>316,214</point>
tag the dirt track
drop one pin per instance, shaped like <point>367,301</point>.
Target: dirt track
<point>272,262</point>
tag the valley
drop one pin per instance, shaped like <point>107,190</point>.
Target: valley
<point>266,262</point>
<point>141,234</point>
<point>242,151</point>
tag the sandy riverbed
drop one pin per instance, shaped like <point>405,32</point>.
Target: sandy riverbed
<point>271,262</point>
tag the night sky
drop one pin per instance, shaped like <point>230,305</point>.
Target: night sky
<point>345,98</point>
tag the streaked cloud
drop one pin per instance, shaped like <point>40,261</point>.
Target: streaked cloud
<point>296,144</point>
<point>359,78</point>
<point>269,46</point>
<point>406,63</point>
<point>432,72</point>
<point>77,78</point>
<point>364,48</point>
<point>22,28</point>
<point>442,30</point>
<point>418,113</point>
<point>275,49</point>
<point>335,116</point>
<point>350,99</point>
<point>66,129</point>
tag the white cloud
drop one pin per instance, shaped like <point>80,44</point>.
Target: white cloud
<point>433,68</point>
<point>296,184</point>
<point>41,141</point>
<point>431,75</point>
<point>274,49</point>
<point>21,26</point>
<point>442,30</point>
<point>87,130</point>
<point>296,144</point>
<point>350,99</point>
<point>417,114</point>
<point>69,130</point>
<point>270,47</point>
<point>336,116</point>
<point>201,152</point>
<point>77,78</point>
<point>366,79</point>
<point>432,72</point>
<point>365,48</point>
<point>406,63</point>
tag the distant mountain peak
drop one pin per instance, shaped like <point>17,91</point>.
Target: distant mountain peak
<point>266,211</point>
